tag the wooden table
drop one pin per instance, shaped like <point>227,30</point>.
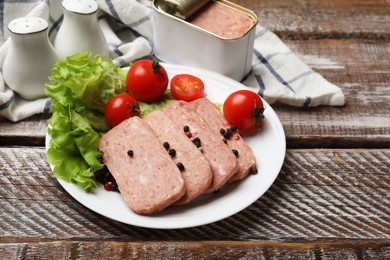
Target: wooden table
<point>331,199</point>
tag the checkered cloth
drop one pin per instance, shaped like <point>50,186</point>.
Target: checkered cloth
<point>278,74</point>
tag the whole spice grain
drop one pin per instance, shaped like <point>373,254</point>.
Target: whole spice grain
<point>172,152</point>
<point>180,166</point>
<point>254,170</point>
<point>197,142</point>
<point>166,145</point>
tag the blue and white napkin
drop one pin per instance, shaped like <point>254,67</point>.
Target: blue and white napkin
<point>277,73</point>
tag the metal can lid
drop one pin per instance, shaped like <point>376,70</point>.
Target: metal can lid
<point>181,8</point>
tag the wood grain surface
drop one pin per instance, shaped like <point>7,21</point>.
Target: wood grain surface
<point>322,200</point>
<point>196,250</point>
<point>318,193</point>
<point>331,199</point>
<point>316,19</point>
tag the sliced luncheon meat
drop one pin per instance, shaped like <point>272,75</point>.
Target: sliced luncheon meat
<point>222,160</point>
<point>147,178</point>
<point>214,118</point>
<point>184,152</point>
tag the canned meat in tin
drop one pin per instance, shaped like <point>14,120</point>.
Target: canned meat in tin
<point>216,35</point>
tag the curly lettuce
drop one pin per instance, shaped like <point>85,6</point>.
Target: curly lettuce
<point>80,86</point>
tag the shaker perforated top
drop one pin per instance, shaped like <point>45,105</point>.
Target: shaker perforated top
<point>80,6</point>
<point>27,25</point>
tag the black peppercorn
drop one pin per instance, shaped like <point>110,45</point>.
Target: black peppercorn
<point>235,152</point>
<point>130,153</point>
<point>186,128</point>
<point>166,145</point>
<point>180,166</point>
<point>197,142</point>
<point>114,187</point>
<point>254,170</point>
<point>172,152</point>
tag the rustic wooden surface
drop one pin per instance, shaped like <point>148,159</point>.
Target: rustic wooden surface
<point>331,199</point>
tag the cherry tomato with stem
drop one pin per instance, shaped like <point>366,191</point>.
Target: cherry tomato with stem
<point>186,87</point>
<point>244,109</point>
<point>120,108</point>
<point>147,80</point>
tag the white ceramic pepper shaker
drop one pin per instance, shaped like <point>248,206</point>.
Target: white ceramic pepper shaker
<point>30,57</point>
<point>80,30</point>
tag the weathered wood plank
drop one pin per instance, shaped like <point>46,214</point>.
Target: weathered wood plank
<point>297,19</point>
<point>362,70</point>
<point>319,194</point>
<point>196,250</point>
<point>30,131</point>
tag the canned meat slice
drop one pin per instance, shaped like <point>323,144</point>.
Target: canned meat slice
<point>188,157</point>
<point>214,118</point>
<point>147,178</point>
<point>222,161</point>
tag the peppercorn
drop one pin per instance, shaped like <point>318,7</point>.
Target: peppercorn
<point>172,152</point>
<point>107,186</point>
<point>130,153</point>
<point>114,186</point>
<point>224,140</point>
<point>197,142</point>
<point>221,131</point>
<point>188,134</point>
<point>186,128</point>
<point>180,166</point>
<point>254,170</point>
<point>226,134</point>
<point>101,174</point>
<point>107,177</point>
<point>235,152</point>
<point>166,145</point>
<point>234,128</point>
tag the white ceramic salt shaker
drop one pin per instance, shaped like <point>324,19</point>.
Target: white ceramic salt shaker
<point>30,57</point>
<point>80,30</point>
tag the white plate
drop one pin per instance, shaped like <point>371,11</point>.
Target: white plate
<point>269,147</point>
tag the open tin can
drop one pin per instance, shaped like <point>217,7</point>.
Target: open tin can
<point>216,35</point>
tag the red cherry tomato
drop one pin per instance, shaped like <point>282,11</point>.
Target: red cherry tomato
<point>146,81</point>
<point>186,87</point>
<point>244,109</point>
<point>120,108</point>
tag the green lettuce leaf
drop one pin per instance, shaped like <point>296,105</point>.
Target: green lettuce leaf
<point>80,86</point>
<point>147,108</point>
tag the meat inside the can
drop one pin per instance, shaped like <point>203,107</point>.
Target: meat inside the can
<point>147,178</point>
<point>214,118</point>
<point>222,160</point>
<point>222,20</point>
<point>195,168</point>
